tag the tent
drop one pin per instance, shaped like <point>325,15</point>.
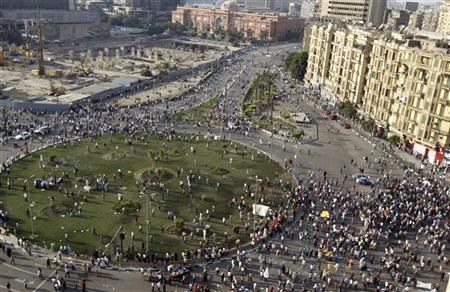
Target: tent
<point>260,210</point>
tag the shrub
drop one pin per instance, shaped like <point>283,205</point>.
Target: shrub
<point>368,125</point>
<point>128,207</point>
<point>297,134</point>
<point>178,224</point>
<point>394,139</point>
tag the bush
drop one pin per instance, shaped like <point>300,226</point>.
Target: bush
<point>128,207</point>
<point>178,224</point>
<point>347,109</point>
<point>394,139</point>
<point>220,171</point>
<point>285,115</point>
<point>297,134</point>
<point>368,125</point>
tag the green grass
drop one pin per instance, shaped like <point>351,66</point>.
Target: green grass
<point>97,207</point>
<point>202,113</point>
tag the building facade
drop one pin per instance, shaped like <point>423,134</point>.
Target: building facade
<point>430,20</point>
<point>444,18</point>
<point>408,90</point>
<point>259,4</point>
<point>42,4</point>
<point>401,82</point>
<point>263,26</point>
<point>368,12</point>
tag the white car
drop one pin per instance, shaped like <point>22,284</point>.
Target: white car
<point>23,136</point>
<point>42,130</point>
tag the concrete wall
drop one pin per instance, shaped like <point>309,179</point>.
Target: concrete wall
<point>39,107</point>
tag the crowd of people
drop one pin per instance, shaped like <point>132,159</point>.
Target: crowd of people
<point>328,236</point>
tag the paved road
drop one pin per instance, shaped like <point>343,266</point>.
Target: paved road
<point>333,149</point>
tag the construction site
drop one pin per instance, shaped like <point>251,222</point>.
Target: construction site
<point>34,74</point>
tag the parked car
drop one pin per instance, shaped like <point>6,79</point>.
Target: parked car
<point>332,117</point>
<point>365,181</point>
<point>22,136</point>
<point>42,130</point>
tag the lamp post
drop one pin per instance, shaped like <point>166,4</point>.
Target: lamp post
<point>295,165</point>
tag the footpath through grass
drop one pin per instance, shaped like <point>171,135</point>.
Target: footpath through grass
<point>75,200</point>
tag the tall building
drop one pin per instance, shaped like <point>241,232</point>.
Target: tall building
<point>408,90</point>
<point>397,17</point>
<point>369,12</point>
<point>430,20</point>
<point>401,82</point>
<point>412,6</point>
<point>444,18</point>
<point>259,4</point>
<point>416,20</point>
<point>266,26</point>
<point>294,9</point>
<point>338,58</point>
<point>43,4</point>
<point>308,8</point>
<point>153,5</point>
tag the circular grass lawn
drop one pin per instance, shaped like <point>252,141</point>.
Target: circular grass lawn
<point>77,202</point>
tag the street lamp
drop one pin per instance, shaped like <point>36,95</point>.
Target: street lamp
<point>295,165</point>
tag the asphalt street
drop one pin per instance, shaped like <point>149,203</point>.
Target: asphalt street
<point>331,150</point>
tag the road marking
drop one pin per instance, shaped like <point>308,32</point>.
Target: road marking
<point>44,281</point>
<point>10,289</point>
<point>21,281</point>
<point>18,269</point>
<point>39,265</point>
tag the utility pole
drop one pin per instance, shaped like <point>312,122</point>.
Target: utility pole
<point>4,120</point>
<point>41,68</point>
<point>121,237</point>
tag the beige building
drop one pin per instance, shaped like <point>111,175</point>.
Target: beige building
<point>430,19</point>
<point>407,91</point>
<point>369,12</point>
<point>401,82</point>
<point>338,58</point>
<point>444,18</point>
<point>270,26</point>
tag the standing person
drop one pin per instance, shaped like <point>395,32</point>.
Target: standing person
<point>83,285</point>
<point>39,273</point>
<point>12,261</point>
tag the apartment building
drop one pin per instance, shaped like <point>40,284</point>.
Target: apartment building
<point>320,47</point>
<point>407,89</point>
<point>368,12</point>
<point>444,18</point>
<point>348,64</point>
<point>400,81</point>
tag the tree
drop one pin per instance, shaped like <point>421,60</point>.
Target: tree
<point>14,37</point>
<point>249,34</point>
<point>177,27</point>
<point>264,35</point>
<point>297,64</point>
<point>368,125</point>
<point>132,21</point>
<point>347,109</point>
<point>157,29</point>
<point>234,36</point>
<point>116,20</point>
